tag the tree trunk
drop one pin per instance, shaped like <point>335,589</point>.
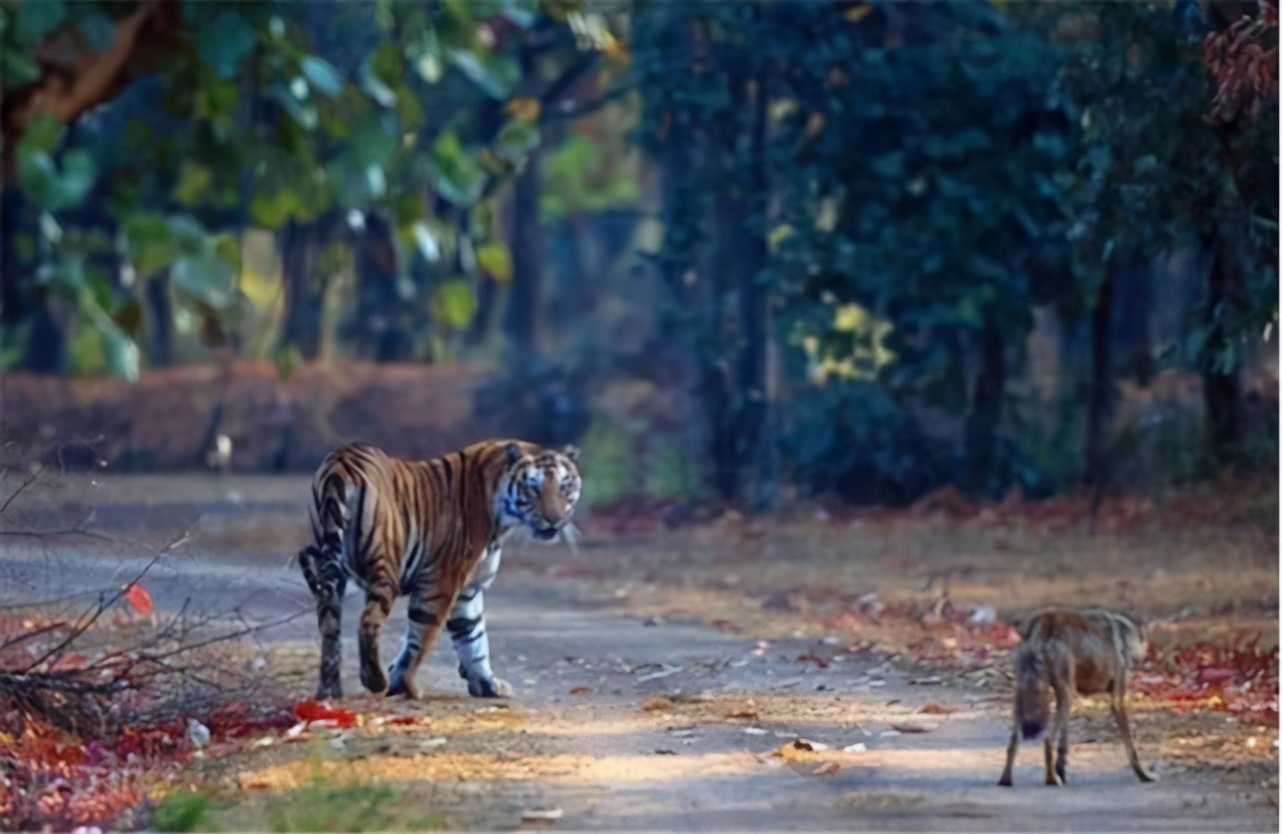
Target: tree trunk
<point>160,320</point>
<point>23,303</point>
<point>299,245</point>
<point>383,320</point>
<point>1100,404</point>
<point>525,301</point>
<point>1221,389</point>
<point>740,261</point>
<point>986,409</point>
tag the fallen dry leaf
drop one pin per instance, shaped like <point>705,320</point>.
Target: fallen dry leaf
<point>580,690</point>
<point>746,710</point>
<point>799,750</point>
<point>912,727</point>
<point>138,598</point>
<point>657,703</point>
<point>937,709</point>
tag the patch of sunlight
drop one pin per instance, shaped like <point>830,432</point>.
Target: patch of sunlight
<point>482,767</point>
<point>855,348</point>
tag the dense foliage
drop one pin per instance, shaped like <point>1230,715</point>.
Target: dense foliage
<point>869,212</point>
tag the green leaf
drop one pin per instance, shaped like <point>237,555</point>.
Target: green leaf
<point>496,260</point>
<point>303,114</point>
<point>457,303</point>
<point>288,359</point>
<point>194,180</point>
<point>496,75</point>
<point>123,356</point>
<point>375,86</point>
<point>43,134</point>
<point>455,175</point>
<point>386,63</point>
<point>322,75</point>
<point>48,187</point>
<point>206,277</point>
<point>427,242</point>
<point>35,20</point>
<point>516,140</point>
<point>17,69</point>
<point>78,176</point>
<point>424,55</point>
<point>224,42</point>
<point>890,166</point>
<point>272,210</point>
<point>151,244</point>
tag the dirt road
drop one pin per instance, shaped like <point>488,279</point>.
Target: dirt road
<point>576,738</point>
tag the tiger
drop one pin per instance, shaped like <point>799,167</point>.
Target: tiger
<point>433,531</point>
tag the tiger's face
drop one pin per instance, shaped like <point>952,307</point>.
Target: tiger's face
<point>542,490</point>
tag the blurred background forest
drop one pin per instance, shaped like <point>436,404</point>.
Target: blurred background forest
<point>755,252</point>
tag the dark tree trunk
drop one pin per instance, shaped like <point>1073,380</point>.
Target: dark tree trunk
<point>741,259</point>
<point>383,321</point>
<point>1132,331</point>
<point>1100,404</point>
<point>483,322</point>
<point>299,245</point>
<point>160,320</point>
<point>1222,388</point>
<point>525,301</point>
<point>986,409</point>
<point>23,304</point>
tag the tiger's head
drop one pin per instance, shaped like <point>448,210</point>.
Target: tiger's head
<point>541,489</point>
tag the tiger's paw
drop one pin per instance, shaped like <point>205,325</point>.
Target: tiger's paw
<point>373,679</point>
<point>327,690</point>
<point>489,688</point>
<point>402,685</point>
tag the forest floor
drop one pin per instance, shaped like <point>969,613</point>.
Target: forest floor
<point>813,673</point>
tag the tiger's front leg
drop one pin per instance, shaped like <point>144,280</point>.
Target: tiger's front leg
<point>472,644</point>
<point>427,609</point>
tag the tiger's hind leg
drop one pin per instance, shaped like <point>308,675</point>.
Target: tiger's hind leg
<point>427,609</point>
<point>472,645</point>
<point>378,604</point>
<point>327,582</point>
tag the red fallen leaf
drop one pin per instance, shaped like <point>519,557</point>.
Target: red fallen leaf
<point>810,658</point>
<point>283,721</point>
<point>932,621</point>
<point>71,660</point>
<point>402,719</point>
<point>316,711</point>
<point>138,598</point>
<point>580,690</point>
<point>1214,675</point>
<point>936,709</point>
<point>846,621</point>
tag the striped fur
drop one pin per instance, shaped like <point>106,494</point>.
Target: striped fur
<point>433,531</point>
<point>1087,651</point>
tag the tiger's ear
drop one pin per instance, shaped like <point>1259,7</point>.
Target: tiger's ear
<point>571,451</point>
<point>512,451</point>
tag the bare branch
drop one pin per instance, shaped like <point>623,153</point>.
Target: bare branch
<point>28,481</point>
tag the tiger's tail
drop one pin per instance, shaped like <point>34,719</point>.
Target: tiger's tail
<point>1032,706</point>
<point>329,511</point>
